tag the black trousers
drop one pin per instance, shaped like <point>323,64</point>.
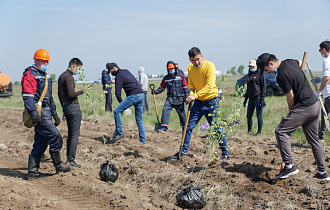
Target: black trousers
<point>73,116</point>
<point>108,99</point>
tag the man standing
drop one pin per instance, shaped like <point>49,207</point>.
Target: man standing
<point>71,109</point>
<point>204,94</point>
<point>107,83</point>
<point>33,83</point>
<point>134,97</point>
<point>143,81</point>
<point>177,92</point>
<point>325,84</point>
<point>303,111</point>
<point>179,71</point>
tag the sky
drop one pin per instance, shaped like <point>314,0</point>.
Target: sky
<point>148,33</point>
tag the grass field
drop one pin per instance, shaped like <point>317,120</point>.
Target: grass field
<point>276,108</point>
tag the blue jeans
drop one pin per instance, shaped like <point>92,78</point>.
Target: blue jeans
<point>46,134</point>
<point>137,100</point>
<point>254,104</point>
<point>73,116</point>
<point>198,110</point>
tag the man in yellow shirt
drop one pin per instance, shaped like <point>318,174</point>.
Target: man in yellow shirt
<point>204,94</point>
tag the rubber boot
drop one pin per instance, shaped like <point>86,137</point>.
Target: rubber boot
<point>58,163</point>
<point>33,166</point>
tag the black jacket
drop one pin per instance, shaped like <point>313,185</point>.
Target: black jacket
<point>256,85</point>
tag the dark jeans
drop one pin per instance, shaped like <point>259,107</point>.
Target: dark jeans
<point>198,110</point>
<point>46,133</point>
<point>108,99</point>
<point>146,105</point>
<point>168,106</point>
<point>323,127</point>
<point>73,116</point>
<point>254,104</point>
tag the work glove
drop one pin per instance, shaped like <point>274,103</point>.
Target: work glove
<point>244,103</point>
<point>262,103</point>
<point>57,120</point>
<point>36,119</point>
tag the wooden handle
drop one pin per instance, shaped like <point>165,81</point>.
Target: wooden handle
<point>304,61</point>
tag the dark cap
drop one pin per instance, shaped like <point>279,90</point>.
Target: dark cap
<point>262,60</point>
<point>110,66</point>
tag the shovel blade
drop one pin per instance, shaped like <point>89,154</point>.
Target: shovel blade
<point>157,126</point>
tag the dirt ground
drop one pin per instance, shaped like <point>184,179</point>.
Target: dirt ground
<point>146,180</point>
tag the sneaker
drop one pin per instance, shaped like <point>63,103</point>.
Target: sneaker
<point>224,158</point>
<point>324,176</point>
<point>117,137</point>
<point>73,163</point>
<point>321,138</point>
<point>286,172</point>
<point>257,134</point>
<point>249,132</point>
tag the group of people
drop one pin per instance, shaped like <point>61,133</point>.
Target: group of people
<point>200,90</point>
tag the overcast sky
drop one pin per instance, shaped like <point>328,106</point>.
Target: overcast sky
<point>148,33</point>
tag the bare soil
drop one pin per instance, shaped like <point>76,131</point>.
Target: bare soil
<point>146,180</point>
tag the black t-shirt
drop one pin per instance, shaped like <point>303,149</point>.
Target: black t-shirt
<point>291,77</point>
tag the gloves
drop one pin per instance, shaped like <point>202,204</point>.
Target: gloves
<point>318,94</point>
<point>244,103</point>
<point>262,103</point>
<point>36,119</point>
<point>57,120</point>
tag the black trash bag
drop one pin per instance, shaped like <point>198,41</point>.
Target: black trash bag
<point>108,172</point>
<point>191,198</point>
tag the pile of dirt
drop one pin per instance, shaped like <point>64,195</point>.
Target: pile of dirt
<point>147,180</point>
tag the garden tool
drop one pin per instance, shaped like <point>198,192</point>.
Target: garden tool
<point>157,125</point>
<point>184,131</point>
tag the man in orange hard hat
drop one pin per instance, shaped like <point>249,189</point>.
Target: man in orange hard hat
<point>33,84</point>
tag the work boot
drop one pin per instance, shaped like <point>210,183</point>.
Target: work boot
<point>33,166</point>
<point>58,163</point>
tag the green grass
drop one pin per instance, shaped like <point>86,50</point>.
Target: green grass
<point>276,108</point>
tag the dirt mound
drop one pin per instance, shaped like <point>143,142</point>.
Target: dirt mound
<point>146,181</point>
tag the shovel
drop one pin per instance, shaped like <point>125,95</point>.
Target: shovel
<point>157,125</point>
<point>184,131</point>
<point>325,116</point>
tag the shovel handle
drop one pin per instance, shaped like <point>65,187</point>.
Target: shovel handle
<point>184,130</point>
<point>304,61</point>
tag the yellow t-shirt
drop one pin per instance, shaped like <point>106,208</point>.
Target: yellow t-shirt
<point>203,81</point>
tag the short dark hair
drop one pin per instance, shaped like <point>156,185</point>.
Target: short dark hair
<point>193,52</point>
<point>75,61</point>
<point>272,58</point>
<point>325,45</point>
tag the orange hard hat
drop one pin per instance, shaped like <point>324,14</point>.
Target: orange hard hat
<point>170,66</point>
<point>42,54</point>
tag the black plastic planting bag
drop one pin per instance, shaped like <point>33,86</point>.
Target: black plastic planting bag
<point>191,197</point>
<point>108,172</point>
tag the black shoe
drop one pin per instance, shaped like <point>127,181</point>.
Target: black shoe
<point>324,176</point>
<point>73,163</point>
<point>117,137</point>
<point>58,163</point>
<point>286,172</point>
<point>321,138</point>
<point>176,156</point>
<point>224,158</point>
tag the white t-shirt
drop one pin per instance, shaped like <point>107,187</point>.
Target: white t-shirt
<point>326,73</point>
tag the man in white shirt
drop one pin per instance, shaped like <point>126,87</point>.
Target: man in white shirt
<point>325,84</point>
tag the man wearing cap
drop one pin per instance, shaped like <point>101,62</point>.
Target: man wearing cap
<point>256,91</point>
<point>33,83</point>
<point>204,94</point>
<point>325,84</point>
<point>177,92</point>
<point>134,97</point>
<point>303,111</point>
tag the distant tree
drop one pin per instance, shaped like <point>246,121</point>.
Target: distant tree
<point>240,69</point>
<point>233,70</point>
<point>53,76</point>
<point>17,83</point>
<point>161,75</point>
